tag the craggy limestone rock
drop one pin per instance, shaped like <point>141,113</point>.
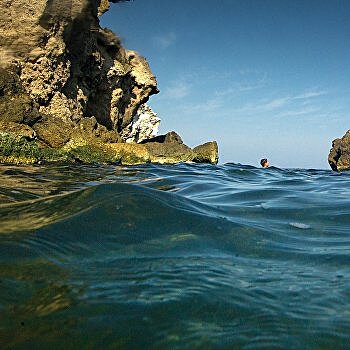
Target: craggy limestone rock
<point>68,65</point>
<point>144,125</point>
<point>339,155</point>
<point>69,90</point>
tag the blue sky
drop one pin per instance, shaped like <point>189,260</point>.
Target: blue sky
<point>265,78</point>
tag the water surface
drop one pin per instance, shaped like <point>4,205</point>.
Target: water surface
<point>174,257</point>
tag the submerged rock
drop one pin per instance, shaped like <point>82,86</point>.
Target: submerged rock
<point>72,82</point>
<point>339,155</point>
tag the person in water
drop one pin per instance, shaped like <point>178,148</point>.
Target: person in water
<point>264,163</point>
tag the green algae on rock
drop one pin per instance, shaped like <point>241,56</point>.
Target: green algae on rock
<point>18,149</point>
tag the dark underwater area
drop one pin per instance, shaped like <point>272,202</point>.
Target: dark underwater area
<point>187,256</point>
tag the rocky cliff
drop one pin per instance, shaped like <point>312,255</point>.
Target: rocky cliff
<point>339,155</point>
<point>67,86</point>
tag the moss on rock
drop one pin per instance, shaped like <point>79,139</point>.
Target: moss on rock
<point>17,149</point>
<point>91,154</point>
<point>129,153</point>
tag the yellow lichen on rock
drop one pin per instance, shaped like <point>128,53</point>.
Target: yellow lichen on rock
<point>129,153</point>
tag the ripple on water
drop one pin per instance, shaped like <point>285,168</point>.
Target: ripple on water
<point>183,257</point>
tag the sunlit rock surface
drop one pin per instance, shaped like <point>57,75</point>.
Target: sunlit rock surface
<point>144,125</point>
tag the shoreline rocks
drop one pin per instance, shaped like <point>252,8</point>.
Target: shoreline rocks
<point>68,87</point>
<point>22,148</point>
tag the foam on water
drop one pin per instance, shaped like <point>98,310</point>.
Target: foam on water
<point>174,257</point>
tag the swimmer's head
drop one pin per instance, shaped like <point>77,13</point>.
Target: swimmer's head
<point>264,163</point>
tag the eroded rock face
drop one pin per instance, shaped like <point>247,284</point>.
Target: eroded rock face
<point>69,91</point>
<point>339,155</point>
<point>69,66</point>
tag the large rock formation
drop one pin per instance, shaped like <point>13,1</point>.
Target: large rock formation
<point>339,155</point>
<point>70,83</point>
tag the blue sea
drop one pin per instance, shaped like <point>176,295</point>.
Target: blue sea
<point>186,256</point>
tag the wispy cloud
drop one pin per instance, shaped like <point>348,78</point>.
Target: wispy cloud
<point>165,40</point>
<point>177,90</point>
<point>258,81</point>
<point>300,112</point>
<point>289,105</point>
<point>212,105</point>
<point>309,95</point>
<point>244,83</point>
<point>304,104</point>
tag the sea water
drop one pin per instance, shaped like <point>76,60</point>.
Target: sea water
<point>181,256</point>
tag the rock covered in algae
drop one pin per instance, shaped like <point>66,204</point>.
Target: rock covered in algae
<point>21,148</point>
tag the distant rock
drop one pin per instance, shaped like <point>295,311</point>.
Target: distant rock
<point>339,155</point>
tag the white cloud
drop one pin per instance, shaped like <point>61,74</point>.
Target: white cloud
<point>243,84</point>
<point>209,106</point>
<point>257,81</point>
<point>275,104</point>
<point>300,112</point>
<point>291,104</point>
<point>164,41</point>
<point>309,94</point>
<point>177,90</point>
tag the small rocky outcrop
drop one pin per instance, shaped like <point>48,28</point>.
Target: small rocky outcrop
<point>68,87</point>
<point>339,155</point>
<point>170,149</point>
<point>206,153</point>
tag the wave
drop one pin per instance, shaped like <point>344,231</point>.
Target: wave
<point>184,257</point>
